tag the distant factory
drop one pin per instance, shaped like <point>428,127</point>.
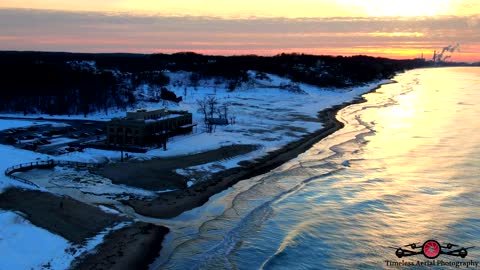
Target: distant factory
<point>445,54</point>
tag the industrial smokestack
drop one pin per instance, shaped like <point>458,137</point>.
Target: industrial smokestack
<point>450,49</point>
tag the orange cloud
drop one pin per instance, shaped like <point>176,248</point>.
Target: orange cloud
<point>97,32</point>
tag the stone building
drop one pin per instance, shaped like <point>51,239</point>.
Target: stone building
<point>144,127</point>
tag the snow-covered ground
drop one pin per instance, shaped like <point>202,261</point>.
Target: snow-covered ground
<point>83,186</point>
<point>266,114</point>
<point>216,166</point>
<point>22,244</point>
<point>8,124</point>
<point>25,246</point>
<point>265,111</point>
<point>10,156</point>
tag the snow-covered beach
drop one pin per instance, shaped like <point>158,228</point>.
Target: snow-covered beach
<point>281,123</point>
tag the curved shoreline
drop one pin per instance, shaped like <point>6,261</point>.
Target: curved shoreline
<point>133,247</point>
<point>172,204</point>
<point>223,180</point>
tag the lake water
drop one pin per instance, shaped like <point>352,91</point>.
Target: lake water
<point>405,169</point>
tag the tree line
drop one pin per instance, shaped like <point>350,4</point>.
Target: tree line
<point>58,83</point>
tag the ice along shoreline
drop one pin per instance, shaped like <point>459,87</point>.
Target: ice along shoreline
<point>171,204</point>
<point>195,196</point>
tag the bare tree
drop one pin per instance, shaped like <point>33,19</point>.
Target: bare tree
<point>202,108</point>
<point>212,103</point>
<point>209,106</point>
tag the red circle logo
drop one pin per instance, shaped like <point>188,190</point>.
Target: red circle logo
<point>431,249</point>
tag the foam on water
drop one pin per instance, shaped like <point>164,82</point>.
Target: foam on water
<point>412,152</point>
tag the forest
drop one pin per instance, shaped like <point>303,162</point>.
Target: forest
<point>74,83</point>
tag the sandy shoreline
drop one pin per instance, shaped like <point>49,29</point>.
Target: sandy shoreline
<point>139,244</point>
<point>172,204</point>
<point>145,174</point>
<point>133,247</point>
<point>64,216</point>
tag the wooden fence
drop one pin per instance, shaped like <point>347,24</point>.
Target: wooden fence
<point>46,164</point>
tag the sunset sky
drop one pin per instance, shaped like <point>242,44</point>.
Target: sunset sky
<point>388,28</point>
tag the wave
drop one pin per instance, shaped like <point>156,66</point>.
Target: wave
<point>358,199</point>
<point>249,211</point>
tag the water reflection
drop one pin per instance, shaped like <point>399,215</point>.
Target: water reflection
<point>403,170</point>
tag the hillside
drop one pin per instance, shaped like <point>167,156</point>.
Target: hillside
<point>271,103</point>
<point>83,84</point>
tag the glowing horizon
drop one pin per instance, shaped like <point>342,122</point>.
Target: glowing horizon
<point>384,28</point>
